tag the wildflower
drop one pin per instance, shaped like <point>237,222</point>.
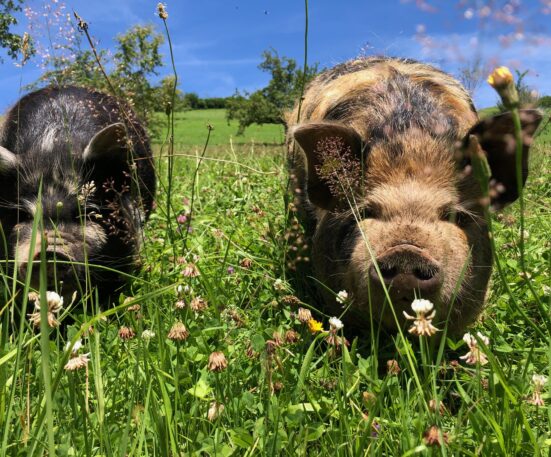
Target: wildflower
<point>433,436</point>
<point>77,362</point>
<point>475,355</point>
<point>180,304</point>
<point>342,297</point>
<point>215,410</point>
<point>539,381</point>
<point>55,305</point>
<point>276,338</point>
<point>250,352</point>
<point>126,333</point>
<point>148,335</point>
<point>315,326</point>
<point>198,304</point>
<point>433,406</point>
<point>291,337</point>
<point>304,315</point>
<point>86,191</point>
<point>500,77</point>
<point>217,362</point>
<point>134,307</point>
<point>271,346</point>
<point>181,219</point>
<point>25,47</point>
<point>190,270</point>
<point>335,324</point>
<point>76,346</point>
<point>246,263</point>
<point>502,81</point>
<point>161,11</point>
<point>392,367</point>
<point>230,270</point>
<point>422,324</point>
<point>290,300</point>
<point>178,332</point>
<point>279,285</point>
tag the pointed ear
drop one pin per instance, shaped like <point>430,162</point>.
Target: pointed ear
<point>8,160</point>
<point>496,136</point>
<point>309,137</point>
<point>108,143</point>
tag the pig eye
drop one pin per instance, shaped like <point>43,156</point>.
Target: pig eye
<point>24,216</point>
<point>454,216</point>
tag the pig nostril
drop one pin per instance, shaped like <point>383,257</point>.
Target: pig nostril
<point>424,274</point>
<point>388,272</point>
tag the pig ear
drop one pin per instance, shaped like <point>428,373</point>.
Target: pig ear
<point>8,159</point>
<point>108,143</point>
<point>497,138</point>
<point>309,136</point>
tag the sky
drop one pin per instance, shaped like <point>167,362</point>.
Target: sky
<point>218,43</point>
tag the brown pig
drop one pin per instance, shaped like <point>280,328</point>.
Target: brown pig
<point>379,160</point>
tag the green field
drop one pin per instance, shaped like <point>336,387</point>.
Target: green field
<point>191,130</point>
<point>283,394</point>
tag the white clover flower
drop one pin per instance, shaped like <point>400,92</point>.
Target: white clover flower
<point>148,334</point>
<point>78,362</point>
<point>420,305</point>
<point>335,323</point>
<point>539,381</point>
<point>475,355</point>
<point>422,321</point>
<point>215,410</point>
<point>279,285</point>
<point>342,297</point>
<point>76,347</point>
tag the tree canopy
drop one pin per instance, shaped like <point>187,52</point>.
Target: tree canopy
<point>268,105</point>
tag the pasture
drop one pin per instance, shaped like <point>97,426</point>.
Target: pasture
<point>152,387</point>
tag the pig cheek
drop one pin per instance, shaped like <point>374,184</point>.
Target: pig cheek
<point>456,264</point>
<point>95,238</point>
<point>21,239</point>
<point>357,281</point>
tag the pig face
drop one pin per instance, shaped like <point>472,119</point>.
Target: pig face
<point>69,192</point>
<point>404,218</point>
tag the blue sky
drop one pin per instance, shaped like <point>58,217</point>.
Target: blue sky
<point>218,43</point>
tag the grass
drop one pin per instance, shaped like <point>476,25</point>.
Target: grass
<point>190,128</point>
<point>151,395</point>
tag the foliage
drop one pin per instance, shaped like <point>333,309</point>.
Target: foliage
<point>267,105</point>
<point>545,101</point>
<point>10,41</point>
<point>137,58</point>
<point>193,101</point>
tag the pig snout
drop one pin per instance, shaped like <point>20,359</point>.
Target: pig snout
<point>407,270</point>
<point>58,268</point>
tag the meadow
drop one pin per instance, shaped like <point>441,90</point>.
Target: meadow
<point>204,353</point>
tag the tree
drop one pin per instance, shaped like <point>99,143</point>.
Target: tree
<point>472,73</point>
<point>137,58</point>
<point>10,41</point>
<point>545,102</point>
<point>267,105</point>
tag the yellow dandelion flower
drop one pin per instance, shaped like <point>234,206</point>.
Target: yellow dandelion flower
<point>315,326</point>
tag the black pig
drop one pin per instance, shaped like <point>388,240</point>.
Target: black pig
<point>82,160</point>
